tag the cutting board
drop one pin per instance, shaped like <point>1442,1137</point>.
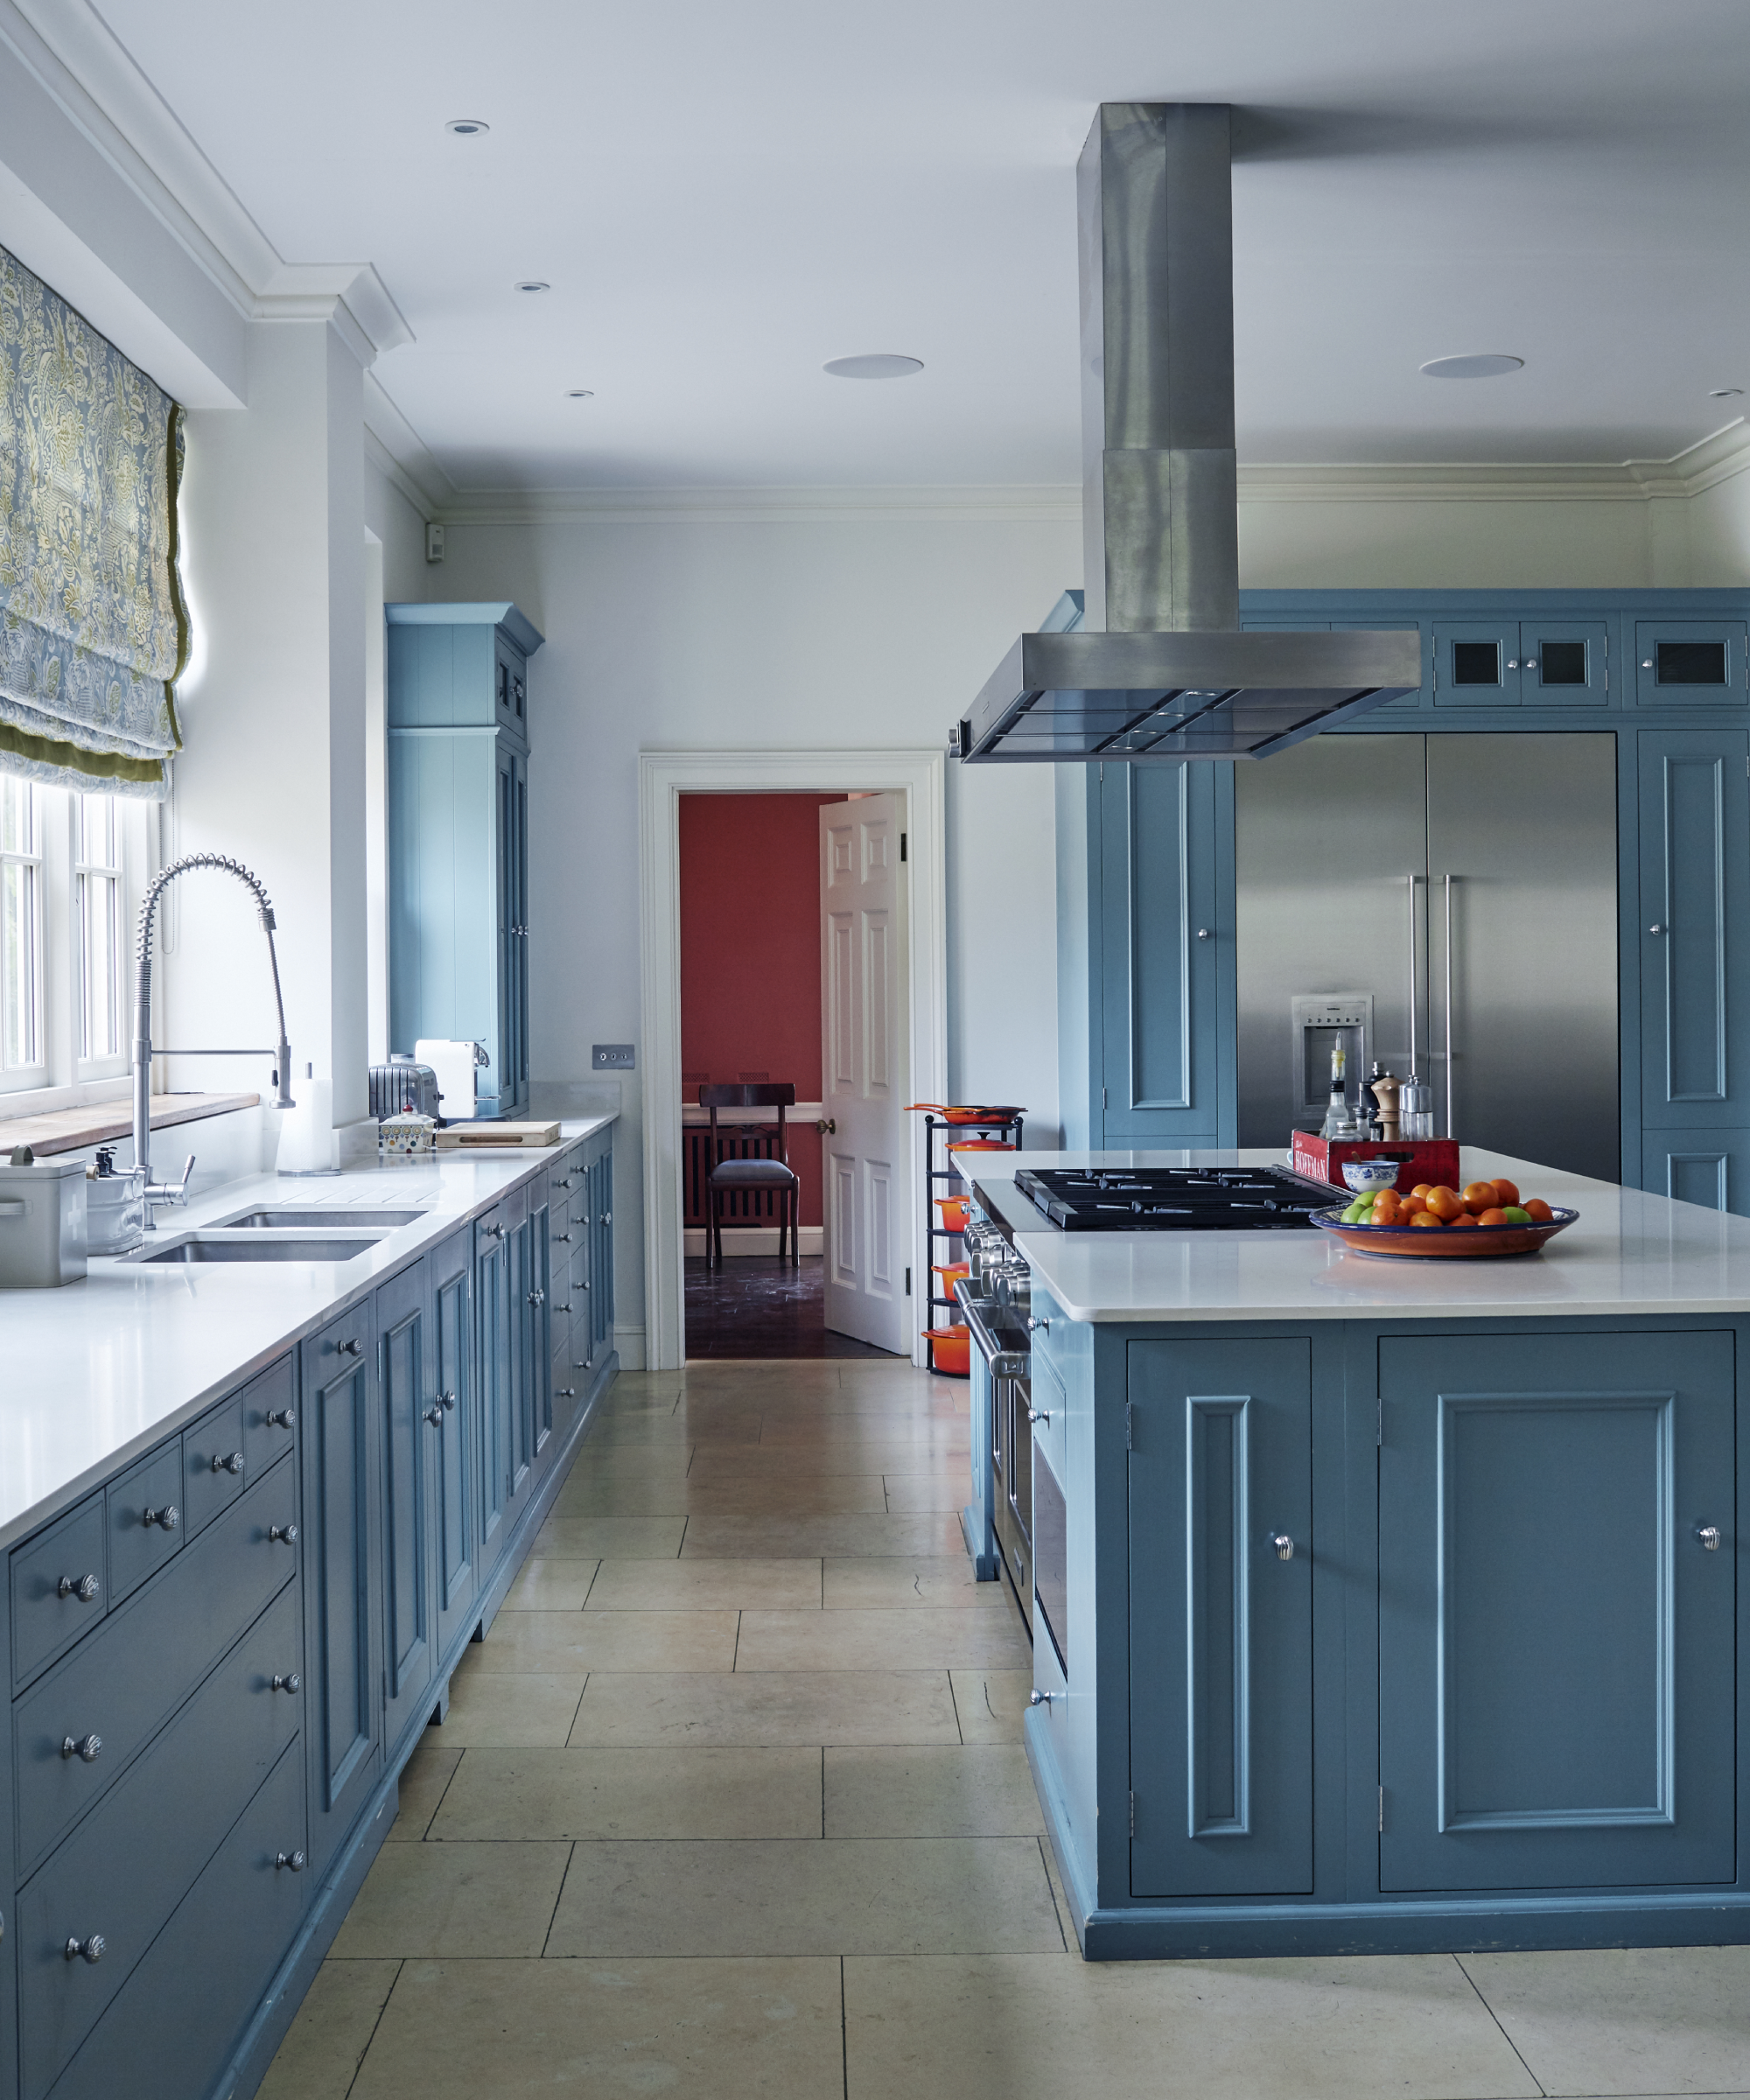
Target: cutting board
<point>464,1135</point>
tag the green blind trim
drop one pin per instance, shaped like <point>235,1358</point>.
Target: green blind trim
<point>94,625</point>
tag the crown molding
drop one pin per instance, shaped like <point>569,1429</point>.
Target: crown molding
<point>397,449</point>
<point>78,60</point>
<point>765,506</point>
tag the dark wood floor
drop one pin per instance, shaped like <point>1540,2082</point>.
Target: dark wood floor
<point>756,1305</point>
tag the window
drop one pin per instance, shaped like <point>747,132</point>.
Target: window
<point>69,865</point>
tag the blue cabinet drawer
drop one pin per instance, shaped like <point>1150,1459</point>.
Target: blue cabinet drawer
<point>269,1418</point>
<point>125,1869</point>
<point>144,1519</point>
<point>215,1465</point>
<point>146,1660</point>
<point>59,1589</point>
<point>175,2022</point>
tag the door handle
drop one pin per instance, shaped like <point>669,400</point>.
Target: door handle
<point>828,1126</point>
<point>1450,879</point>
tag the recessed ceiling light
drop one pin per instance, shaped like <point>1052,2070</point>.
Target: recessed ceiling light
<point>580,394</point>
<point>533,284</point>
<point>1723,393</point>
<point>1478,364</point>
<point>878,365</point>
<point>466,127</point>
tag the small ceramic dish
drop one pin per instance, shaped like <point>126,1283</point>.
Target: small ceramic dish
<point>1419,1243</point>
<point>1365,1174</point>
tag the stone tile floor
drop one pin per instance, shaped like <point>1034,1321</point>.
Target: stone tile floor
<point>732,1802</point>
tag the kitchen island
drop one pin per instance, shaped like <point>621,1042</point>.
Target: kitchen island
<point>253,1510</point>
<point>1397,1603</point>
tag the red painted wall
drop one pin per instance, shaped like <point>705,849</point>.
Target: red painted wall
<point>750,952</point>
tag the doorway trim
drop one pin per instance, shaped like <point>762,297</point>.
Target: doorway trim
<point>663,778</point>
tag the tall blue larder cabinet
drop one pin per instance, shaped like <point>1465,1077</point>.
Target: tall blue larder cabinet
<point>458,836</point>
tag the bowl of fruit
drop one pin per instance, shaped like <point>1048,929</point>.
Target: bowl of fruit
<point>1483,1220</point>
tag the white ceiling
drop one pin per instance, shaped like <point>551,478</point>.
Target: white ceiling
<point>724,197</point>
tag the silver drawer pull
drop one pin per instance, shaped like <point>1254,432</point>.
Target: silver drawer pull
<point>280,1417</point>
<point>89,1949</point>
<point>497,1231</point>
<point>1035,1325</point>
<point>1042,1698</point>
<point>84,1747</point>
<point>564,1308</point>
<point>564,1392</point>
<point>288,1681</point>
<point>449,1399</point>
<point>537,1297</point>
<point>294,1860</point>
<point>353,1347</point>
<point>564,1238</point>
<point>283,1535</point>
<point>1038,1414</point>
<point>1709,1536</point>
<point>1283,1544</point>
<point>85,1587</point>
<point>233,1464</point>
<point>167,1518</point>
<point>607,1217</point>
<point>434,1415</point>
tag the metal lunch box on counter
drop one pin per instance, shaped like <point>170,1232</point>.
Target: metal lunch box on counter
<point>42,1222</point>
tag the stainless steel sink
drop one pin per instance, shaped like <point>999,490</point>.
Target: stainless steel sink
<point>301,1247</point>
<point>316,1221</point>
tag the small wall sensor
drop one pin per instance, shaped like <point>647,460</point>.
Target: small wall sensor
<point>613,1057</point>
<point>434,542</point>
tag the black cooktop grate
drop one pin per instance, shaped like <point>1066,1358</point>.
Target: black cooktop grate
<point>1175,1198</point>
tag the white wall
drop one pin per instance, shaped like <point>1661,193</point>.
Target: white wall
<point>768,635</point>
<point>1334,544</point>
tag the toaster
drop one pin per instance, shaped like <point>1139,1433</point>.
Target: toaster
<point>401,1086</point>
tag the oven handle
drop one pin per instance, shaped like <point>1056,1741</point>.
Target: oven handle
<point>1001,1362</point>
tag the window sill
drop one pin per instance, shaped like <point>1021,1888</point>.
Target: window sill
<point>70,1130</point>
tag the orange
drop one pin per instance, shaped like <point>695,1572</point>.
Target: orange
<point>1538,1210</point>
<point>1423,1188</point>
<point>1493,1217</point>
<point>1463,1218</point>
<point>1479,1195</point>
<point>1506,1191</point>
<point>1445,1203</point>
<point>1427,1217</point>
<point>1388,1208</point>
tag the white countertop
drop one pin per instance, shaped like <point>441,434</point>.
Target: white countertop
<point>1629,1252</point>
<point>97,1372</point>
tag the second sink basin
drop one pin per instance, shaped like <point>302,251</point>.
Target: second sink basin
<point>306,1247</point>
<point>311,1220</point>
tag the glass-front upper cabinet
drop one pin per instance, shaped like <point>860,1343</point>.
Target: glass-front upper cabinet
<point>1522,664</point>
<point>1691,663</point>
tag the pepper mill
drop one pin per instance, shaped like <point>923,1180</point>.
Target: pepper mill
<point>1385,1089</point>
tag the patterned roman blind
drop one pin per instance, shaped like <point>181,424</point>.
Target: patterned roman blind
<point>93,631</point>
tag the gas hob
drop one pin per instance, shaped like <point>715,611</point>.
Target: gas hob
<point>1175,1198</point>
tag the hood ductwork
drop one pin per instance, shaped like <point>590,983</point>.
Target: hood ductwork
<point>1148,662</point>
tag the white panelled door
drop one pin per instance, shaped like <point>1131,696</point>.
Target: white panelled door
<point>863,1052</point>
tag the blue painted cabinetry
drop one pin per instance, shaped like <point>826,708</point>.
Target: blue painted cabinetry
<point>458,836</point>
<point>1146,965</point>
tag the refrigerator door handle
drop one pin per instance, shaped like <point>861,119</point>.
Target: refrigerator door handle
<point>1411,882</point>
<point>1449,881</point>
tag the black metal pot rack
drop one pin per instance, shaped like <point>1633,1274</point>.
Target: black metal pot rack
<point>939,1171</point>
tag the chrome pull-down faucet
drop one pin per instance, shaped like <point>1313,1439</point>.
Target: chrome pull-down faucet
<point>160,1191</point>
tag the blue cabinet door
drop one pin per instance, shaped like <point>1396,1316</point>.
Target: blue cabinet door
<point>519,1410</point>
<point>1695,929</point>
<point>506,1082</point>
<point>1691,663</point>
<point>540,1319</point>
<point>1557,1689</point>
<point>1708,1168</point>
<point>452,1499</point>
<point>343,1597</point>
<point>1476,663</point>
<point>493,1353</point>
<point>406,1403</point>
<point>1221,1468</point>
<point>1164,936</point>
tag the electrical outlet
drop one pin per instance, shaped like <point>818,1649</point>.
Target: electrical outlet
<point>613,1057</point>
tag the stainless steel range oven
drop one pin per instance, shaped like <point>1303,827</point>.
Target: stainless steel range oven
<point>998,1523</point>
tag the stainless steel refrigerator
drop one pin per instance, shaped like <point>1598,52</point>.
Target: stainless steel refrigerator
<point>1450,897</point>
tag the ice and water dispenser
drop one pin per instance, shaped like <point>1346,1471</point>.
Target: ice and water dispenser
<point>1322,1021</point>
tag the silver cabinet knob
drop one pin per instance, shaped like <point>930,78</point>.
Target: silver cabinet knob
<point>1530,663</point>
<point>564,1238</point>
<point>449,1399</point>
<point>1658,929</point>
<point>607,1217</point>
<point>1513,663</point>
<point>537,1297</point>
<point>1709,1536</point>
<point>233,1464</point>
<point>564,1308</point>
<point>294,1860</point>
<point>1645,664</point>
<point>90,1948</point>
<point>497,1231</point>
<point>84,1748</point>
<point>167,1518</point>
<point>353,1347</point>
<point>288,1682</point>
<point>434,1415</point>
<point>1202,932</point>
<point>280,1417</point>
<point>282,1534</point>
<point>1034,1325</point>
<point>1283,1544</point>
<point>85,1587</point>
<point>1042,1698</point>
<point>1038,1414</point>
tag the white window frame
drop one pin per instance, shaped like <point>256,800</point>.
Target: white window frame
<point>64,1077</point>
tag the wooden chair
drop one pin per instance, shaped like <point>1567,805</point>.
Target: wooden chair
<point>754,1176</point>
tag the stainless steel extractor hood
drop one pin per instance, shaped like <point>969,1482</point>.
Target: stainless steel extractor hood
<point>1148,662</point>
